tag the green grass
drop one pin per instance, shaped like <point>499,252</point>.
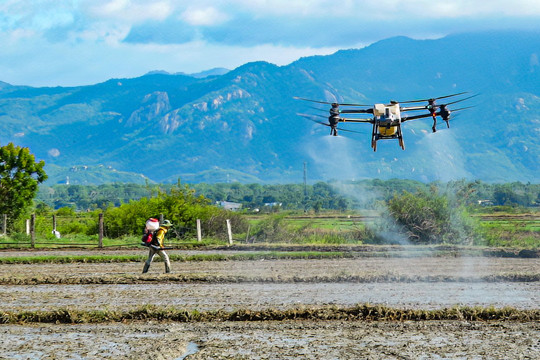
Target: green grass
<point>500,230</point>
<point>268,255</point>
<point>330,223</point>
<point>512,231</point>
<point>87,241</point>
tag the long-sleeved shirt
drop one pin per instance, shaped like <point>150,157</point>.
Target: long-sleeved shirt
<point>160,235</point>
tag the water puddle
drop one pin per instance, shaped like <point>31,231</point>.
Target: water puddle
<point>191,349</point>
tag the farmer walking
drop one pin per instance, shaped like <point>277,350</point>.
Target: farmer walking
<point>157,248</point>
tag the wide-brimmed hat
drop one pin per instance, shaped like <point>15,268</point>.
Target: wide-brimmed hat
<point>166,223</point>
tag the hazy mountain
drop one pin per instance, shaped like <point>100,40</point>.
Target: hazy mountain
<point>242,125</point>
<point>199,75</point>
<point>211,72</point>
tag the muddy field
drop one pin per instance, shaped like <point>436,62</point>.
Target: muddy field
<point>274,340</point>
<point>291,284</point>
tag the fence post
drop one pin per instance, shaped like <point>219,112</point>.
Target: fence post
<point>4,227</point>
<point>161,218</point>
<point>199,232</point>
<point>100,245</point>
<point>54,222</point>
<point>33,230</point>
<point>229,231</point>
<point>247,234</point>
<point>27,226</point>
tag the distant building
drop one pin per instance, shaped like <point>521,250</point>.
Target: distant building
<point>273,204</point>
<point>227,205</point>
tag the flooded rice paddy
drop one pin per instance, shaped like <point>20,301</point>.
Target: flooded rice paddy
<point>274,284</point>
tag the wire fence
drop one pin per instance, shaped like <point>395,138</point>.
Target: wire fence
<point>87,230</point>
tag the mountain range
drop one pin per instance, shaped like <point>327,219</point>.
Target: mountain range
<point>244,124</point>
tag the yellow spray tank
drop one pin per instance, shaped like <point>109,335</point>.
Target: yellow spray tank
<point>387,113</point>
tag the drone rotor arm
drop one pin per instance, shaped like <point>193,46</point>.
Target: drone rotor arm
<point>354,104</point>
<point>412,108</point>
<point>416,117</point>
<point>357,111</point>
<point>368,121</point>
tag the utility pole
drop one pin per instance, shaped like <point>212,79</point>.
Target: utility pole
<point>305,187</point>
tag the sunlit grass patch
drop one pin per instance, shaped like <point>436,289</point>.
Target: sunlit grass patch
<point>268,255</point>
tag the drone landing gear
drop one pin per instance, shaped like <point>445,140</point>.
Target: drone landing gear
<point>374,136</point>
<point>400,137</point>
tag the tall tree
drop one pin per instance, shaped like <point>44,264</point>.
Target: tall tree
<point>20,176</point>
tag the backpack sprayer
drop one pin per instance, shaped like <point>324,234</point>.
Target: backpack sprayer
<point>149,233</point>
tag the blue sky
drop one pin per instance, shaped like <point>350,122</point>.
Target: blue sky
<point>80,42</point>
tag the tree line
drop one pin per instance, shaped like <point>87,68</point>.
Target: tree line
<point>412,212</point>
<point>341,196</point>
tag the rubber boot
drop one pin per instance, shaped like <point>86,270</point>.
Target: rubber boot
<point>167,268</point>
<point>145,268</point>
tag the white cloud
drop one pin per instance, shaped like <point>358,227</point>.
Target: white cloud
<point>54,152</point>
<point>131,11</point>
<point>74,42</point>
<point>206,16</point>
<point>89,62</point>
<point>389,9</point>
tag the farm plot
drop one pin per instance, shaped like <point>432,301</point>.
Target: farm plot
<point>207,286</point>
<point>406,283</point>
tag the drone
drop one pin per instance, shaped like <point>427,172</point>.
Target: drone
<point>386,119</point>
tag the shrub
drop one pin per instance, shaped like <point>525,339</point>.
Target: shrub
<point>274,229</point>
<point>214,222</point>
<point>180,206</point>
<point>429,218</point>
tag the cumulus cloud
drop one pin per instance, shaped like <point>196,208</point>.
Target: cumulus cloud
<point>54,152</point>
<point>206,16</point>
<point>67,41</point>
<point>132,11</point>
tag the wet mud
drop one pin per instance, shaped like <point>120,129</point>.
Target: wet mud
<point>328,339</point>
<point>275,340</point>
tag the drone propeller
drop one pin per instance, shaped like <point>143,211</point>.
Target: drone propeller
<point>328,103</point>
<point>431,99</point>
<point>463,108</point>
<point>333,126</point>
<point>318,109</point>
<point>332,122</point>
<point>311,117</point>
<point>459,116</point>
<point>353,131</point>
<point>315,101</point>
<point>460,100</point>
<point>444,113</point>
